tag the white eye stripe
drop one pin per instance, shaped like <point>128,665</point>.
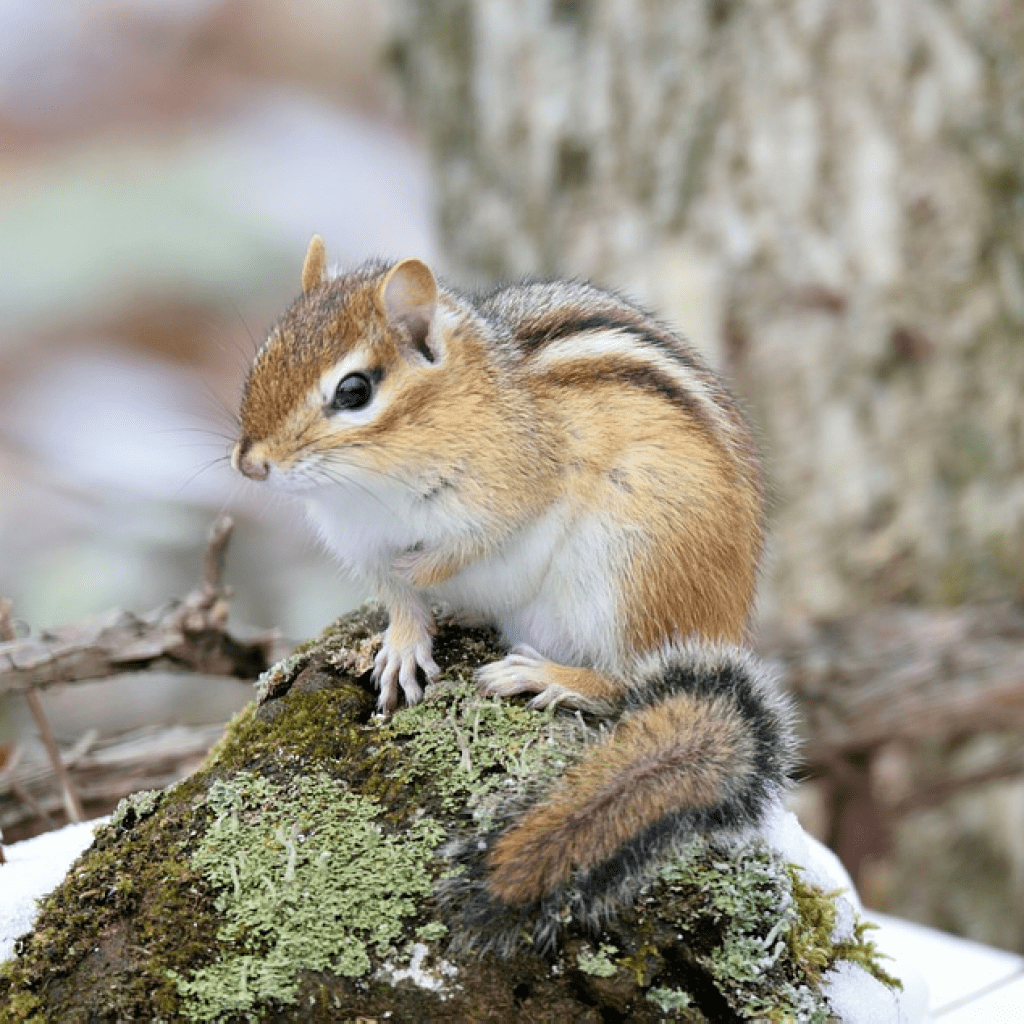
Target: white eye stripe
<point>322,395</point>
<point>355,362</point>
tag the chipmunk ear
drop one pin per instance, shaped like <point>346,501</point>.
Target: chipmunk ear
<point>408,296</point>
<point>314,267</point>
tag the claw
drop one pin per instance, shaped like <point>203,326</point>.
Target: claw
<point>397,667</point>
<point>551,696</point>
<point>521,671</point>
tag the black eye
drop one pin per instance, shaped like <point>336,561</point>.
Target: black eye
<point>353,392</point>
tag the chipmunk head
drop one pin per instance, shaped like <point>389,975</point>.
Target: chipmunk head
<point>342,371</point>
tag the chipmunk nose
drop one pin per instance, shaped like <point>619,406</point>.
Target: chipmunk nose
<point>247,463</point>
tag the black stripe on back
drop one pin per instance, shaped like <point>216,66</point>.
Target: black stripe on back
<point>535,337</point>
<point>581,372</point>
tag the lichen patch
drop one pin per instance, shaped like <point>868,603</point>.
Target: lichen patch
<point>307,879</point>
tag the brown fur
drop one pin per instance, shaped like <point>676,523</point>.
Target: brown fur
<point>695,550</point>
<point>317,330</point>
<point>500,406</point>
<point>643,774</point>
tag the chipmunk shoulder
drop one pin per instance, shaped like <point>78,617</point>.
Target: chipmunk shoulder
<point>551,459</point>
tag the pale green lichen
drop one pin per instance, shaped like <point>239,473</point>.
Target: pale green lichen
<point>282,672</point>
<point>306,879</point>
<point>599,964</point>
<point>432,931</point>
<point>668,1000</point>
<point>475,753</point>
<point>772,975</point>
<point>135,807</point>
<point>347,644</point>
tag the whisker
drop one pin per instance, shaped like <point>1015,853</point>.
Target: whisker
<point>192,430</point>
<point>221,406</point>
<point>332,476</point>
<point>213,443</point>
<point>383,474</point>
<point>245,326</point>
<point>198,473</point>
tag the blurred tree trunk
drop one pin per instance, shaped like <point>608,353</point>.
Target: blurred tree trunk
<point>825,196</point>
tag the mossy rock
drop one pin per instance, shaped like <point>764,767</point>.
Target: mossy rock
<point>296,877</point>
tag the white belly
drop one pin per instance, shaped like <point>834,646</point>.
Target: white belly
<point>550,586</point>
<point>554,584</point>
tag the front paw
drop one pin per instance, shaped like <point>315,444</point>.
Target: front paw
<point>522,671</point>
<point>396,666</point>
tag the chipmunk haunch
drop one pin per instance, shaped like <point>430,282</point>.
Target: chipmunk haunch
<point>551,459</point>
<point>703,747</point>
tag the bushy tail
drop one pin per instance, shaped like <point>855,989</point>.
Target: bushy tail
<point>703,748</point>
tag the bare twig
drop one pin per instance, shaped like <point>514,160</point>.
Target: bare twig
<point>876,685</point>
<point>216,551</point>
<point>185,636</point>
<point>7,630</point>
<point>26,798</point>
<point>72,804</point>
<point>113,767</point>
<point>905,674</point>
<point>6,633</point>
<point>938,791</point>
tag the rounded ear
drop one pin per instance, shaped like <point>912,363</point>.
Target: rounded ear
<point>314,267</point>
<point>408,296</point>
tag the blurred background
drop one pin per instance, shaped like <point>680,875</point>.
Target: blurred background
<point>827,198</point>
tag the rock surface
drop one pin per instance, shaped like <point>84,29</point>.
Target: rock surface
<point>296,877</point>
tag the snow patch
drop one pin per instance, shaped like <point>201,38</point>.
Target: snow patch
<point>439,980</point>
<point>35,868</point>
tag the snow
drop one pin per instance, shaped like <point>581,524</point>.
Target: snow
<point>34,868</point>
<point>440,979</point>
<point>854,995</point>
<point>969,983</point>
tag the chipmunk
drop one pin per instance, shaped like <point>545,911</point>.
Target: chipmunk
<point>550,459</point>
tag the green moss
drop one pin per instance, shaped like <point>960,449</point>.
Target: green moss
<point>129,909</point>
<point>812,946</point>
<point>24,1006</point>
<point>294,876</point>
<point>222,881</point>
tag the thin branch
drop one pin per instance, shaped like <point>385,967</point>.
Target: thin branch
<point>72,804</point>
<point>932,793</point>
<point>216,551</point>
<point>183,636</point>
<point>110,769</point>
<point>6,633</point>
<point>904,674</point>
